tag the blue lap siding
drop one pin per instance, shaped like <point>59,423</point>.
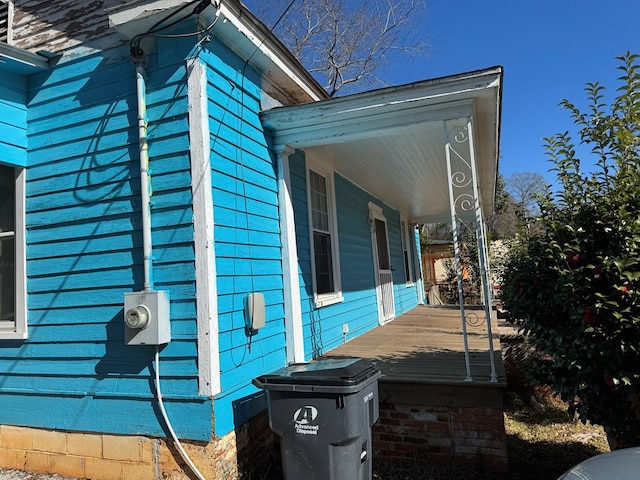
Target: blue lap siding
<point>74,127</point>
<point>323,326</point>
<point>84,252</point>
<point>13,119</point>
<point>84,245</point>
<point>246,234</point>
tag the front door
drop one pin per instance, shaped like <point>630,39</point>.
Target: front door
<point>382,261</point>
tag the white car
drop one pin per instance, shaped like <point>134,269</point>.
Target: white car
<point>621,464</point>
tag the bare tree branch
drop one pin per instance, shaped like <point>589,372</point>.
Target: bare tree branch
<point>344,43</point>
<point>524,188</point>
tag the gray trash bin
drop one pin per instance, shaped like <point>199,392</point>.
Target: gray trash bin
<point>323,412</point>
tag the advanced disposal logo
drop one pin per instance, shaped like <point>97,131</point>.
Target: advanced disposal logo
<point>304,419</point>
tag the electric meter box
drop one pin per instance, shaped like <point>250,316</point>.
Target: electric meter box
<point>146,318</point>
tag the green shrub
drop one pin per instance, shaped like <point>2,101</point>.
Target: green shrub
<point>574,286</point>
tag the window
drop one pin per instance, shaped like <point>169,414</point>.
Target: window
<point>405,234</point>
<point>12,258</point>
<point>382,243</point>
<point>326,273</point>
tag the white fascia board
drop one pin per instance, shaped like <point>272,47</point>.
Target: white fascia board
<point>421,94</point>
<point>349,128</point>
<point>21,61</point>
<point>266,53</point>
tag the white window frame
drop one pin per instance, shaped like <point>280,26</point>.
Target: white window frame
<point>405,240</point>
<point>19,330</point>
<point>325,299</point>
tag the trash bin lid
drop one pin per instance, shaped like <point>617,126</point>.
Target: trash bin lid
<point>346,373</point>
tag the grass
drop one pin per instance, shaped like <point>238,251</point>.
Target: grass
<point>544,442</point>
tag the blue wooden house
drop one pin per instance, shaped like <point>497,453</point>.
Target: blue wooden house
<point>170,163</point>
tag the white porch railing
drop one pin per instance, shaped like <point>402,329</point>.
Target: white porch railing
<point>465,203</point>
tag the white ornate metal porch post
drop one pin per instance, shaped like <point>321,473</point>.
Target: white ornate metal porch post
<point>464,198</point>
<point>457,179</point>
<point>482,248</point>
<point>488,264</point>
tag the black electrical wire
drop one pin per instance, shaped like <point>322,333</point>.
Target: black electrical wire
<point>243,180</point>
<point>286,10</point>
<point>184,35</point>
<point>156,27</point>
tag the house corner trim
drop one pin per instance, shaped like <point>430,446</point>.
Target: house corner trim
<point>203,222</point>
<point>292,306</point>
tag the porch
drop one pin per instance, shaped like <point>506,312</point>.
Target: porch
<point>427,408</point>
<point>425,346</point>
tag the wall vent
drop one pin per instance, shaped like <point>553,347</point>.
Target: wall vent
<point>6,21</point>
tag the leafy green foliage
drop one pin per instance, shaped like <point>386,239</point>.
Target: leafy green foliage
<point>471,282</point>
<point>573,287</point>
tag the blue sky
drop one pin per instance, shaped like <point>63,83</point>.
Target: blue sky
<point>549,50</point>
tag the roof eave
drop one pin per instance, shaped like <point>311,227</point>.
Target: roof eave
<point>432,93</point>
<point>399,114</point>
<point>283,76</point>
<point>21,62</point>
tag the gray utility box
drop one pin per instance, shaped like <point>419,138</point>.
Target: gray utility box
<point>323,412</point>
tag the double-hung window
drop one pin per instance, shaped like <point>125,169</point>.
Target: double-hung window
<point>323,232</point>
<point>13,323</point>
<point>405,234</point>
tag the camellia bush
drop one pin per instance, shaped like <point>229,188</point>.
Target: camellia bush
<point>573,286</point>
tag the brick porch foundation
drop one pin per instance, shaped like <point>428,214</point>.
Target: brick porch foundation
<point>442,423</point>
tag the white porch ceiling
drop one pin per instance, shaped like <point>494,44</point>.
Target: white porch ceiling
<point>392,142</point>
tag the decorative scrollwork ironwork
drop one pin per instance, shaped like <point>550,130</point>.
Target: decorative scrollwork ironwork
<point>464,202</point>
<point>459,134</point>
<point>460,166</point>
<point>474,320</point>
<point>460,179</point>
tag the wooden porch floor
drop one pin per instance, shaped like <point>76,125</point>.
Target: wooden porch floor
<point>426,346</point>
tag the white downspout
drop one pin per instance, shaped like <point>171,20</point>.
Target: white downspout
<point>145,190</point>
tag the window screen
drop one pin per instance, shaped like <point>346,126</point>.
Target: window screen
<point>322,240</point>
<point>7,248</point>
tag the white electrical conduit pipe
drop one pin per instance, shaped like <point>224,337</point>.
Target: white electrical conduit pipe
<point>179,446</point>
<point>144,174</point>
<point>147,245</point>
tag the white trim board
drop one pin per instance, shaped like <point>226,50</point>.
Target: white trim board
<point>206,289</point>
